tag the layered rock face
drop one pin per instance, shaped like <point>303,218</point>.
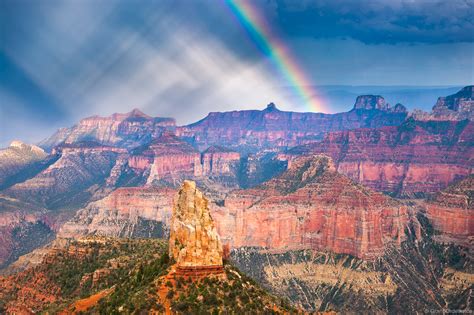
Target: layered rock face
<point>169,160</point>
<point>252,129</point>
<point>126,130</point>
<point>19,161</point>
<point>173,160</point>
<point>71,180</point>
<point>220,161</point>
<point>132,212</point>
<point>416,157</point>
<point>312,206</point>
<point>457,106</point>
<point>451,212</point>
<point>404,280</point>
<point>194,241</point>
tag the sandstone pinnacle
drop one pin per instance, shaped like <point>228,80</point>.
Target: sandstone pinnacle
<point>194,241</point>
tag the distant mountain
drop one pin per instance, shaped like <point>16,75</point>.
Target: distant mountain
<point>251,130</point>
<point>340,97</point>
<point>126,130</point>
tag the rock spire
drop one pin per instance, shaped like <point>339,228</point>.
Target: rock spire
<point>194,241</point>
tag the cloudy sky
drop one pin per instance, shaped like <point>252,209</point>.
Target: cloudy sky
<point>64,60</point>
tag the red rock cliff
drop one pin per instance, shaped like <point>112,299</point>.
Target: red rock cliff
<point>312,206</point>
<point>451,212</point>
<point>416,157</point>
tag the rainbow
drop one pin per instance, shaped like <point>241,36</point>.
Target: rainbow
<point>255,25</point>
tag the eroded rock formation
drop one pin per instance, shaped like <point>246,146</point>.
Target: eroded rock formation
<point>19,161</point>
<point>194,241</point>
<point>131,212</point>
<point>312,206</point>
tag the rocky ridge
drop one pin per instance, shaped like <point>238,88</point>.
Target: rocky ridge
<point>252,130</point>
<point>458,106</point>
<point>19,161</point>
<point>134,212</point>
<point>126,130</point>
<point>113,275</point>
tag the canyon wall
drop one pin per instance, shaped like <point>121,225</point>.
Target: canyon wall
<point>451,212</point>
<point>127,212</point>
<point>312,206</point>
<point>415,158</point>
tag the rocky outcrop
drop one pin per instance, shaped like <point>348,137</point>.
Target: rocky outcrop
<point>399,108</point>
<point>370,102</point>
<point>412,159</point>
<point>86,276</point>
<point>462,101</point>
<point>451,212</point>
<point>126,130</point>
<point>457,106</point>
<point>312,206</point>
<point>169,160</point>
<point>252,130</point>
<point>194,241</point>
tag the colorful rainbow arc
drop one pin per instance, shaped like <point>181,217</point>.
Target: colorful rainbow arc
<point>272,47</point>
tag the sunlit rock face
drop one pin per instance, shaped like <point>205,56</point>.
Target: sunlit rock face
<point>72,178</point>
<point>194,241</point>
<point>219,161</point>
<point>173,160</point>
<point>312,206</point>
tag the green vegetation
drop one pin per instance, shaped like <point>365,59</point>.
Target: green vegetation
<point>87,268</point>
<point>130,275</point>
<point>238,294</point>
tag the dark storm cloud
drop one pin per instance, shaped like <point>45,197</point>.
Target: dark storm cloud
<point>374,22</point>
<point>64,60</point>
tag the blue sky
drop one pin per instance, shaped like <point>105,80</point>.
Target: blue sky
<point>64,60</point>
